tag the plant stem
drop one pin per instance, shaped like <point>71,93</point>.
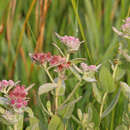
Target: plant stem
<point>71,94</point>
<point>75,119</point>
<point>81,28</point>
<point>114,72</point>
<point>43,106</point>
<point>112,120</point>
<point>59,83</point>
<point>49,75</point>
<point>67,57</point>
<point>103,101</point>
<point>15,127</point>
<point>113,112</point>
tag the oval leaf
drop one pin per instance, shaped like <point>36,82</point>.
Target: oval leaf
<point>106,80</point>
<point>61,86</point>
<point>97,93</point>
<point>56,123</point>
<point>126,89</point>
<point>46,88</point>
<point>77,75</point>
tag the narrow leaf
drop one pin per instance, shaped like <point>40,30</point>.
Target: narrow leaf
<point>112,105</point>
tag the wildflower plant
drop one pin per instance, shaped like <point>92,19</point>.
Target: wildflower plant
<point>61,110</point>
<point>81,73</point>
<point>61,64</point>
<point>13,103</point>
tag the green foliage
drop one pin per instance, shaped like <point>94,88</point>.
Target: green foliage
<point>56,123</point>
<point>45,88</point>
<point>91,21</point>
<point>106,80</point>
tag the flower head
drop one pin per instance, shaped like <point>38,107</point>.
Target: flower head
<point>59,62</point>
<point>125,29</point>
<point>4,84</point>
<point>85,67</point>
<point>71,42</point>
<point>89,72</point>
<point>53,60</point>
<point>18,97</point>
<point>41,58</point>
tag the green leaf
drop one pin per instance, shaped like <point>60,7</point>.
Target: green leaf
<point>97,93</point>
<point>56,123</point>
<point>121,127</point>
<point>61,86</point>
<point>46,88</point>
<point>34,123</point>
<point>20,121</point>
<point>106,80</point>
<point>126,89</point>
<point>78,60</point>
<point>66,110</point>
<point>89,77</point>
<point>48,105</point>
<point>119,73</point>
<point>95,115</point>
<point>8,117</point>
<point>76,74</point>
<point>80,115</point>
<point>4,101</point>
<point>3,6</point>
<point>112,105</point>
<point>89,113</point>
<point>29,111</point>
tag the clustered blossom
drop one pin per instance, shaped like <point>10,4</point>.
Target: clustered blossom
<point>16,94</point>
<point>4,84</point>
<point>85,67</point>
<point>125,29</point>
<point>41,57</point>
<point>89,72</point>
<point>71,42</point>
<point>52,60</point>
<point>18,97</point>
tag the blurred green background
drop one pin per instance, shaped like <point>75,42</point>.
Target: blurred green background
<point>29,26</point>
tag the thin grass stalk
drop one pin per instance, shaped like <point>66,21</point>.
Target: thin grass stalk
<point>81,28</point>
<point>37,18</point>
<point>11,12</point>
<point>21,37</point>
<point>40,40</point>
<point>39,43</point>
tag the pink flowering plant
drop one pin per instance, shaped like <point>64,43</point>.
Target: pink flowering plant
<point>13,103</point>
<point>60,108</point>
<point>62,68</point>
<point>60,65</point>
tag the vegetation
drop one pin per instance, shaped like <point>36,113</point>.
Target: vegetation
<point>88,88</point>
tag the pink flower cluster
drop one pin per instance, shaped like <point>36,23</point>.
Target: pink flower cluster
<point>41,57</point>
<point>85,67</point>
<point>53,60</point>
<point>18,97</point>
<point>71,42</point>
<point>5,83</point>
<point>126,27</point>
